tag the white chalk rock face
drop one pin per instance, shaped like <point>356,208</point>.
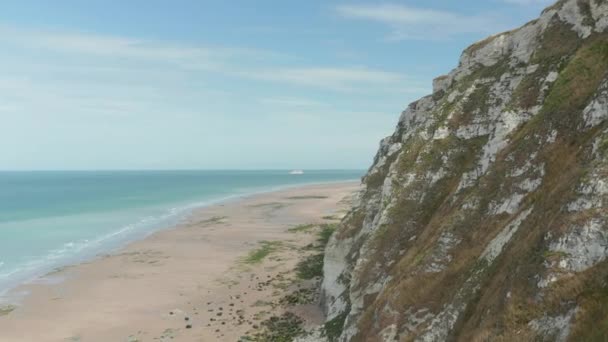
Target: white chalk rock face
<point>489,199</point>
<point>597,111</point>
<point>583,246</point>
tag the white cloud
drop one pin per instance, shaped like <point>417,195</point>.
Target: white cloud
<point>130,49</point>
<point>65,96</point>
<point>343,79</point>
<point>421,23</point>
<point>109,54</point>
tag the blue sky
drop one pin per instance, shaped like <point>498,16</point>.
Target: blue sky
<point>223,84</point>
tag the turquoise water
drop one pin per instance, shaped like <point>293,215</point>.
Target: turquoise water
<point>52,219</point>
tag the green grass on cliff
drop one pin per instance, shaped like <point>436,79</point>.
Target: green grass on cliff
<point>312,266</point>
<point>583,66</point>
<point>332,329</point>
<point>558,40</point>
<point>558,43</point>
<point>478,100</point>
<point>591,322</point>
<point>580,79</point>
<point>325,234</point>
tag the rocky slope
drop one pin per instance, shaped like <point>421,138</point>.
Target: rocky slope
<point>483,216</point>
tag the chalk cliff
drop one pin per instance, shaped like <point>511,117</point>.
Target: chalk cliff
<point>483,217</point>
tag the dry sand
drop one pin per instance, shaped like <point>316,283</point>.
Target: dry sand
<point>193,282</point>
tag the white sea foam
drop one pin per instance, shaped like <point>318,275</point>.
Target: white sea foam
<point>37,270</point>
<point>72,252</point>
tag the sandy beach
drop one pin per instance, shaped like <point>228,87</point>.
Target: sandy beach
<point>217,276</point>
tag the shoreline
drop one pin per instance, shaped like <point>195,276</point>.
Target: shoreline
<point>148,283</point>
<point>174,220</point>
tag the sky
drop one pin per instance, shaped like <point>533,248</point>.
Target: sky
<point>241,84</point>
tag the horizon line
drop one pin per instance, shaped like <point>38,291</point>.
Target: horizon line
<point>185,169</point>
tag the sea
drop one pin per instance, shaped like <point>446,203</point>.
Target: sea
<point>51,219</point>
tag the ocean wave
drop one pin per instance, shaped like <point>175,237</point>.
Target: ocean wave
<point>76,251</point>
